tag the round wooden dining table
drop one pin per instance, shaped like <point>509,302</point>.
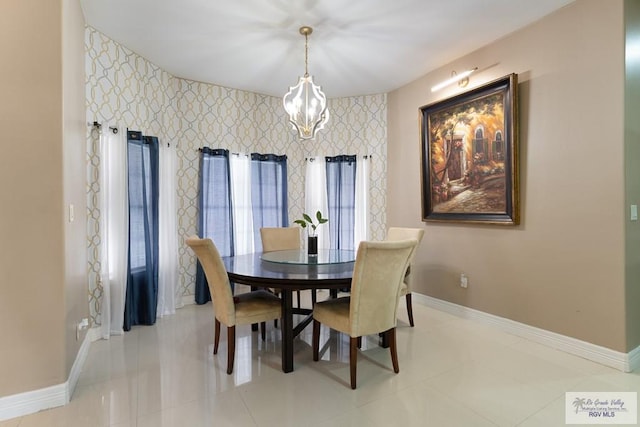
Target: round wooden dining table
<point>290,271</point>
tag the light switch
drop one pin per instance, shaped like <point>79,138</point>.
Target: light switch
<point>72,213</point>
<point>634,212</point>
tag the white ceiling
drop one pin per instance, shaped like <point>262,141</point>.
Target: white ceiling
<point>358,47</point>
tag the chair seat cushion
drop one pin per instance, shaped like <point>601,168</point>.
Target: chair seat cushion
<point>334,313</point>
<point>256,306</point>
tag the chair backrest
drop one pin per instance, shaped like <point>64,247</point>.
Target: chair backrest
<point>375,286</point>
<point>402,233</point>
<point>280,238</point>
<point>217,278</point>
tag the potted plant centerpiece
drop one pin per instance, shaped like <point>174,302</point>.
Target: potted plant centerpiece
<point>312,238</point>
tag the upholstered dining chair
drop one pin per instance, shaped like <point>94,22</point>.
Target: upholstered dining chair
<point>372,305</point>
<point>243,309</point>
<point>401,233</point>
<point>282,239</point>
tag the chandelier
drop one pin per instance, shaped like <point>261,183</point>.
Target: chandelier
<point>305,102</point>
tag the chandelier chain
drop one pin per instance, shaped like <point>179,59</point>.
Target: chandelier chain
<point>306,55</point>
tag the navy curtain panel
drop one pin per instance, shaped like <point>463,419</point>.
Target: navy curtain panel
<point>341,200</point>
<point>269,203</point>
<point>142,282</point>
<point>215,220</point>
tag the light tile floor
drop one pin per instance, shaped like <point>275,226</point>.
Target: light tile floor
<point>453,372</point>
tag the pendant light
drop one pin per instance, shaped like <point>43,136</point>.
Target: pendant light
<point>305,103</point>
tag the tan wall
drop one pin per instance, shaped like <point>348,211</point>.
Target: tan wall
<point>632,171</point>
<point>31,194</point>
<point>562,269</point>
<point>75,169</point>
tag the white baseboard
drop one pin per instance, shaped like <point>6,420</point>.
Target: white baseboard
<point>30,402</point>
<point>626,362</point>
<point>188,300</point>
<point>634,359</point>
<point>92,335</point>
<point>33,401</point>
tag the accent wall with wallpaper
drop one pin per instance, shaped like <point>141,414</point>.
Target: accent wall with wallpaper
<point>126,90</point>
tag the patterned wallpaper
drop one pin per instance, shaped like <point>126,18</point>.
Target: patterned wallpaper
<point>124,88</point>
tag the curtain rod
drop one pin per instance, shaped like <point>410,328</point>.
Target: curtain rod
<point>233,154</point>
<point>311,159</point>
<point>99,126</point>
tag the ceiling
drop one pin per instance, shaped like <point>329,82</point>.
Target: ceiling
<point>358,47</point>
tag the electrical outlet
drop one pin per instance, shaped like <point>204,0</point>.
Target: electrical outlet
<point>464,280</point>
<point>82,325</point>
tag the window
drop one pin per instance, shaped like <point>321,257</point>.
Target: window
<point>230,218</point>
<point>268,193</point>
<point>339,187</point>
<point>341,190</point>
<point>142,282</point>
<point>215,219</point>
<point>141,202</point>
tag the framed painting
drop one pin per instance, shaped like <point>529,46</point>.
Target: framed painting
<point>470,156</point>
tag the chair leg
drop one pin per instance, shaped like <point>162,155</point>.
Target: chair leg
<point>316,340</point>
<point>216,336</point>
<point>394,349</point>
<point>231,348</point>
<point>409,308</point>
<point>263,330</point>
<point>313,297</point>
<point>353,360</point>
<point>298,294</point>
<point>359,342</point>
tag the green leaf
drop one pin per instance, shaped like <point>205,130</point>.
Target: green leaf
<point>307,218</point>
<point>301,222</point>
<point>323,220</point>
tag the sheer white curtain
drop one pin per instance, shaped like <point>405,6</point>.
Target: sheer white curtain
<point>316,195</point>
<point>167,231</point>
<point>114,228</point>
<point>240,170</point>
<point>361,230</point>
